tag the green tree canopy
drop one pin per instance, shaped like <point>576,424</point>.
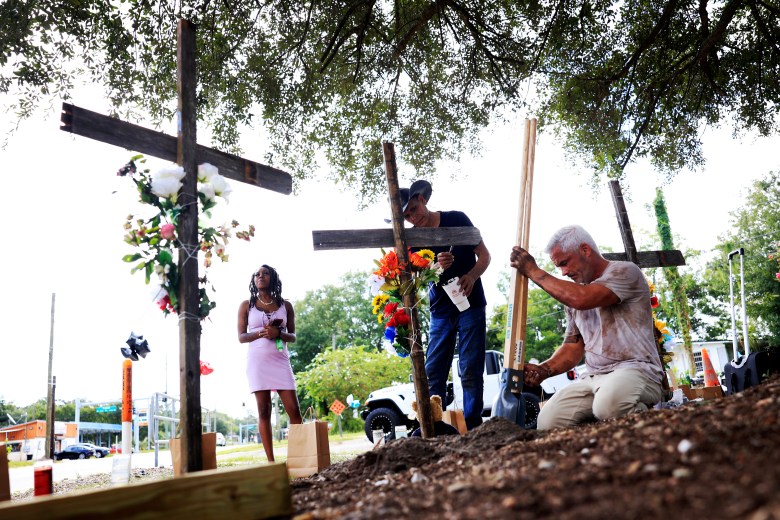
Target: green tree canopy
<point>334,313</point>
<point>336,373</point>
<point>617,79</point>
<point>756,228</point>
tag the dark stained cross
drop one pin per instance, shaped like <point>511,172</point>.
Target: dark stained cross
<point>667,258</point>
<point>402,239</point>
<point>187,153</point>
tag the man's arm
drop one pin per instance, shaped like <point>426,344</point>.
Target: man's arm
<point>468,280</point>
<point>571,294</point>
<point>566,357</point>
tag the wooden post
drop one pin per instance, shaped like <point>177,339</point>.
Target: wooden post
<point>189,300</point>
<point>623,223</point>
<point>49,445</point>
<point>5,482</point>
<point>409,299</point>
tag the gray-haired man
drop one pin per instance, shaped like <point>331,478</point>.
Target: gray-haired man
<point>609,321</point>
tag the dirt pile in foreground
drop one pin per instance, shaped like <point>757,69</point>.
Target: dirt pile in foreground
<point>705,459</point>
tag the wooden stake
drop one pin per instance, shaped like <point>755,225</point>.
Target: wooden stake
<point>417,354</point>
<point>189,294</point>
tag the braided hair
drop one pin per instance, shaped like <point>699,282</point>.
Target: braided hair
<point>275,287</point>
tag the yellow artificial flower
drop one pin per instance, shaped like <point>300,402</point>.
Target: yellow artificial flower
<point>379,302</point>
<point>427,254</point>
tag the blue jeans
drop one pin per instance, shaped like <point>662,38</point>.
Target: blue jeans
<point>469,327</point>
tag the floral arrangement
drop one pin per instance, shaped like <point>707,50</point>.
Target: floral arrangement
<point>155,237</point>
<point>388,291</point>
<point>661,331</point>
<point>776,256</point>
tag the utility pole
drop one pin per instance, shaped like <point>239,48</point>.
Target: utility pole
<point>50,391</point>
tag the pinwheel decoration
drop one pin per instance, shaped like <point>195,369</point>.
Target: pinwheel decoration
<point>136,346</point>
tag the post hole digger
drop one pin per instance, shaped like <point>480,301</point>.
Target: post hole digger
<point>522,408</point>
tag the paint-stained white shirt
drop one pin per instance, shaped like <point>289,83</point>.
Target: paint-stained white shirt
<point>621,335</point>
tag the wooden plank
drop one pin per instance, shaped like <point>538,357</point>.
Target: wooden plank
<point>415,237</point>
<point>111,130</point>
<point>645,259</point>
<point>244,493</point>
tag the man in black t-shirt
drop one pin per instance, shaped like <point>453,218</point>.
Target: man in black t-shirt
<point>449,325</point>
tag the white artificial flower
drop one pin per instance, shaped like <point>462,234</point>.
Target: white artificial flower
<point>374,283</point>
<point>166,182</point>
<point>166,187</point>
<point>207,190</point>
<point>177,172</point>
<point>221,186</point>
<point>206,171</point>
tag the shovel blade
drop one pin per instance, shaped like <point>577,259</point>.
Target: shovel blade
<point>510,402</point>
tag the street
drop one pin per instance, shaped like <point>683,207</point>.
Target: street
<point>21,479</point>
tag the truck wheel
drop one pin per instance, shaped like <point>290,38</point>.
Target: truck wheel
<point>383,418</point>
<point>531,410</point>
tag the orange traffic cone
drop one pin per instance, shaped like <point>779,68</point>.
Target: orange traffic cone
<point>710,377</point>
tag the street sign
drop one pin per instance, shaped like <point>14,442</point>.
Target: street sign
<point>105,409</point>
<point>337,407</point>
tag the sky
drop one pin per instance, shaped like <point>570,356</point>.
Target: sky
<point>64,210</point>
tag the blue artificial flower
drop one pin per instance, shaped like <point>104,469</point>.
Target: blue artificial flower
<point>390,334</point>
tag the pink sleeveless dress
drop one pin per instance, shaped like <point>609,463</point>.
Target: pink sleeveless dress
<point>266,367</point>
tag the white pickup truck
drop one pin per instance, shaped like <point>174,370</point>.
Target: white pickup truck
<point>389,407</point>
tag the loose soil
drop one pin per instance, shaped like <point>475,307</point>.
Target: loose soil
<point>704,459</point>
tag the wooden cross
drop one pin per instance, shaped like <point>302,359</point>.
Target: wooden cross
<point>667,258</point>
<point>402,239</point>
<point>188,154</point>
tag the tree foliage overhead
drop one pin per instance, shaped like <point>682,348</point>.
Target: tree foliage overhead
<point>618,79</point>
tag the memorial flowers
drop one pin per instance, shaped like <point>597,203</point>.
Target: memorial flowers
<point>155,236</point>
<point>388,291</point>
<point>660,330</point>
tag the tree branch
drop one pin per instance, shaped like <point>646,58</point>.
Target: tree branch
<point>663,22</point>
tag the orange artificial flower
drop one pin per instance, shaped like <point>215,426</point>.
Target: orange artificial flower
<point>389,267</point>
<point>419,261</point>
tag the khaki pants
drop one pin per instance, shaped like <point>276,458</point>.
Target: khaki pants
<point>600,396</point>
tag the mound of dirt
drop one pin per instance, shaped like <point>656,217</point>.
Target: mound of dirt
<point>705,459</point>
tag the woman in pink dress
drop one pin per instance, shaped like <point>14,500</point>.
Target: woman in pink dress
<point>267,322</point>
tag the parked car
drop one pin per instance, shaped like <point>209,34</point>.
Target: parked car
<point>74,452</point>
<point>220,439</point>
<point>100,451</point>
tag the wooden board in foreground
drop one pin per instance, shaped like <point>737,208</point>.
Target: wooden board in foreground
<point>254,492</point>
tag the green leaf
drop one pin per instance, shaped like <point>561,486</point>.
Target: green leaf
<point>132,258</point>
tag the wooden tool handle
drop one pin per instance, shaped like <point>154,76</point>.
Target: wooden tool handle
<point>514,351</point>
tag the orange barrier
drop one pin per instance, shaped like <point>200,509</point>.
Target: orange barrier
<point>710,377</point>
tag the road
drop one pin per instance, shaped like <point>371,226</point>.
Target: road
<point>21,479</point>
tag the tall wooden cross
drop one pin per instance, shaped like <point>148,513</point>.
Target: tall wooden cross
<point>187,153</point>
<point>666,258</point>
<point>402,238</point>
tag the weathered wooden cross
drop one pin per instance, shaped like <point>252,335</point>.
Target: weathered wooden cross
<point>187,153</point>
<point>401,238</point>
<point>668,258</point>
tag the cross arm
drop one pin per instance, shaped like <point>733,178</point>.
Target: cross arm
<point>415,237</point>
<point>645,259</point>
<point>111,130</point>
